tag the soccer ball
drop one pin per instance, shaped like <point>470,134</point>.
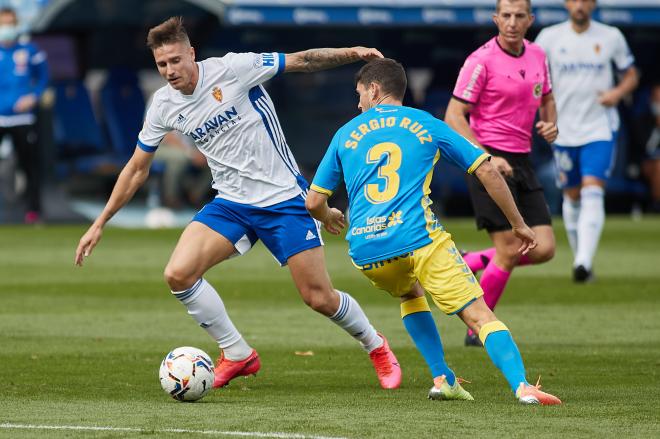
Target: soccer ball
<point>186,374</point>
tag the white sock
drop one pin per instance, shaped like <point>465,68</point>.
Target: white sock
<point>206,307</point>
<point>590,224</point>
<point>570,210</point>
<point>352,319</point>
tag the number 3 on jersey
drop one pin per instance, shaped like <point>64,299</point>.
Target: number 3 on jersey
<point>386,172</point>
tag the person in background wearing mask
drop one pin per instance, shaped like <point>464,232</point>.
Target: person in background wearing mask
<point>23,79</point>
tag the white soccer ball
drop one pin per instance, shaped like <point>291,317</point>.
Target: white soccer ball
<point>186,374</point>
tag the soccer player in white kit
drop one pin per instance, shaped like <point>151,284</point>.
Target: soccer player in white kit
<point>581,52</point>
<point>221,104</point>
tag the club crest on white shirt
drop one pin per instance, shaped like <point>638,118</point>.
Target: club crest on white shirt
<point>217,93</point>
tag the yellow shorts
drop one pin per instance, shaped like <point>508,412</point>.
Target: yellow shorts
<point>438,267</point>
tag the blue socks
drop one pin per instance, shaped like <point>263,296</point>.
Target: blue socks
<point>419,323</point>
<point>504,353</point>
<point>495,337</point>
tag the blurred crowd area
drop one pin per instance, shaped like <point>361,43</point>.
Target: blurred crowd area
<point>102,76</point>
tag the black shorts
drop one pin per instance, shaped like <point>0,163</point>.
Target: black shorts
<point>525,188</point>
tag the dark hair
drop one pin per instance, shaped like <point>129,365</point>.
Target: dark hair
<point>386,72</point>
<point>529,5</point>
<point>168,32</point>
<point>8,10</point>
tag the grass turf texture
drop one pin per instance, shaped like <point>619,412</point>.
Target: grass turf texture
<point>83,346</point>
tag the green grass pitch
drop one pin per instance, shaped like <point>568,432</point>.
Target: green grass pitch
<point>80,348</point>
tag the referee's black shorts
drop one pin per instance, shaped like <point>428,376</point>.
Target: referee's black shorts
<point>525,188</point>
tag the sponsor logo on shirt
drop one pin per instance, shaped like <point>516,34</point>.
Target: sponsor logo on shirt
<point>574,67</point>
<point>263,60</point>
<point>180,121</point>
<point>267,60</point>
<point>217,94</point>
<point>394,219</point>
<point>384,110</point>
<point>538,90</point>
<point>467,92</point>
<point>218,124</point>
<point>597,48</point>
<point>377,226</point>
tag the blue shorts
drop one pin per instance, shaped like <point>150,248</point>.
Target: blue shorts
<point>595,159</point>
<point>285,228</point>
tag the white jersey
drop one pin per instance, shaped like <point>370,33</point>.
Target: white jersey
<point>232,121</point>
<point>581,68</point>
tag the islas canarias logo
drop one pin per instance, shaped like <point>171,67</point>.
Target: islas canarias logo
<point>217,94</point>
<point>376,225</point>
<point>394,219</point>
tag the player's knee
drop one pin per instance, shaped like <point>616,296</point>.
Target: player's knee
<point>477,315</point>
<point>317,298</point>
<point>507,257</point>
<point>178,278</point>
<point>544,254</point>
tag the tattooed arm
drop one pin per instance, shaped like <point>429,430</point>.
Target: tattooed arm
<point>313,60</point>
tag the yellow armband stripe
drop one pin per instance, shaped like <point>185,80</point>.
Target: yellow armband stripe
<point>320,190</point>
<point>478,161</point>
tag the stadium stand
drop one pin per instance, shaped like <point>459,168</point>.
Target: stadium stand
<point>81,148</point>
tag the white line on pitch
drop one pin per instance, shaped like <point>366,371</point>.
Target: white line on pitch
<point>165,430</point>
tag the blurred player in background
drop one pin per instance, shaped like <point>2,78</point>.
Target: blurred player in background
<point>221,104</point>
<point>23,79</point>
<point>386,158</point>
<point>647,139</point>
<point>581,53</point>
<point>501,86</point>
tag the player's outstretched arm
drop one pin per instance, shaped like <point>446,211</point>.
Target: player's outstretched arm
<point>499,192</point>
<point>313,60</point>
<point>133,175</point>
<point>333,219</point>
